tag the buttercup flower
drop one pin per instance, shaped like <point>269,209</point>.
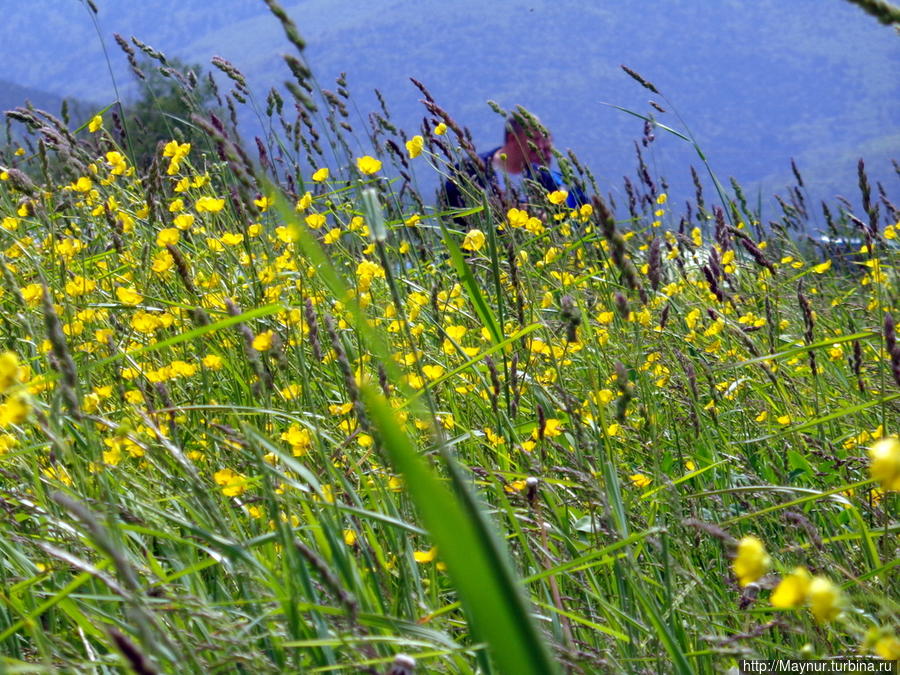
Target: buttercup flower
<point>791,591</point>
<point>885,462</point>
<point>414,146</point>
<point>368,165</point>
<point>751,561</point>
<point>558,197</point>
<point>824,599</point>
<point>474,240</point>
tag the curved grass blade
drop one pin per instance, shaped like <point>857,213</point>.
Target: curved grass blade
<point>478,567</point>
<point>794,351</point>
<point>655,122</point>
<point>669,641</point>
<point>826,418</point>
<point>796,502</point>
<point>249,315</point>
<point>468,280</point>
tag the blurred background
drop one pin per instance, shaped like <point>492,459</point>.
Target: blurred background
<point>758,83</point>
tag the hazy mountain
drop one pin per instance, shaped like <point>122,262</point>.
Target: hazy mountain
<point>14,95</point>
<point>758,83</point>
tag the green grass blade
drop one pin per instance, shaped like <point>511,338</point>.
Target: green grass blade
<point>475,561</point>
<point>679,660</point>
<point>227,322</point>
<point>471,285</point>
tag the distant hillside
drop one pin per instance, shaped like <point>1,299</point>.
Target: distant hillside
<point>758,83</point>
<point>14,95</point>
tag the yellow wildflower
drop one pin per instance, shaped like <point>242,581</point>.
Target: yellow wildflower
<point>209,204</point>
<point>474,240</point>
<point>425,556</point>
<point>176,152</point>
<point>233,484</point>
<point>516,486</point>
<point>751,561</point>
<point>887,646</point>
<point>315,220</point>
<point>128,296</point>
<point>603,396</point>
<point>117,163</point>
<point>212,361</point>
<point>552,428</point>
<point>824,599</point>
<point>231,238</point>
<point>368,165</point>
<point>414,146</point>
<point>432,371</point>
<point>80,286</point>
<point>304,202</point>
<point>10,370</point>
<point>15,409</point>
<point>7,442</point>
<point>263,342</point>
<point>286,234</point>
<point>493,438</point>
<point>885,462</point>
<point>639,480</point>
<point>170,235</point>
<point>83,184</point>
<point>558,196</point>
<point>162,262</point>
<point>340,408</point>
<point>299,438</point>
<point>697,236</point>
<point>58,472</point>
<point>184,221</point>
<point>791,590</point>
<point>291,391</point>
<point>183,369</point>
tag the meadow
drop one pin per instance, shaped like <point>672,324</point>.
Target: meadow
<point>268,407</point>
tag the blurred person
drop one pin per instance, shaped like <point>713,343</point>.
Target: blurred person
<point>527,151</point>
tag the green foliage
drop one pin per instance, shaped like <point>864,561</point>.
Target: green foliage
<point>162,110</point>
